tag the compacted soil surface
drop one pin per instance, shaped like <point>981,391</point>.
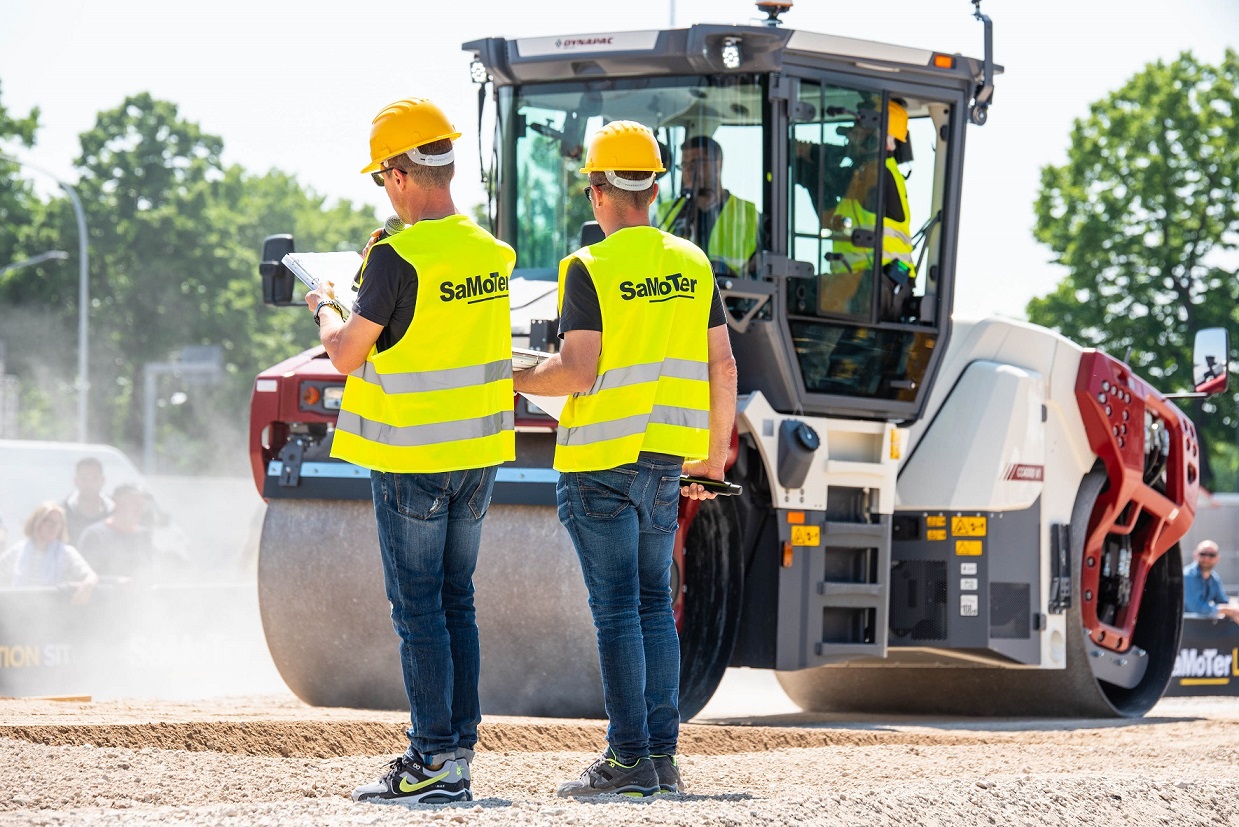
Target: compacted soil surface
<point>271,760</point>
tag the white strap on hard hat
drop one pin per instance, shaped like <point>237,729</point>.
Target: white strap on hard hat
<point>419,157</point>
<point>628,183</point>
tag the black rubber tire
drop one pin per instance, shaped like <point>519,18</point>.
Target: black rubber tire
<point>981,691</point>
<point>714,581</point>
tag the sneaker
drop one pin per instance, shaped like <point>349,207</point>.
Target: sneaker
<point>609,775</point>
<point>408,782</point>
<point>668,769</point>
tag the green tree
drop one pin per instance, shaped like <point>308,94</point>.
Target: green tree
<point>174,244</point>
<point>17,199</point>
<point>1145,217</point>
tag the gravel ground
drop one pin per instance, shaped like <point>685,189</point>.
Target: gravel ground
<point>270,760</point>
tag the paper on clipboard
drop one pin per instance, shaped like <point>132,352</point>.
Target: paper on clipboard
<point>523,359</point>
<point>334,270</point>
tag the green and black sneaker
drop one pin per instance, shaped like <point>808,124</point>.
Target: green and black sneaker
<point>668,769</point>
<point>609,776</point>
<point>409,782</point>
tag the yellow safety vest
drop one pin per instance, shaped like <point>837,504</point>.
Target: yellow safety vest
<point>653,387</point>
<point>896,235</point>
<point>440,399</point>
<point>734,237</point>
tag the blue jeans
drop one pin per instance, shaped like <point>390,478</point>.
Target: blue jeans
<point>430,526</point>
<point>623,522</point>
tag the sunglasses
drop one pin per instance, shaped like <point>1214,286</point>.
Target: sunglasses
<point>380,177</point>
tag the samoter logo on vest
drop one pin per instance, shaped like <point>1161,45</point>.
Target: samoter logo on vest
<point>674,286</point>
<point>475,289</point>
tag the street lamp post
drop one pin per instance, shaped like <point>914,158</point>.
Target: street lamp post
<point>83,298</point>
<point>50,255</point>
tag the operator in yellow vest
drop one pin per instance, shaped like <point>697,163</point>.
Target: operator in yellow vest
<point>647,361</point>
<point>708,215</point>
<point>428,408</point>
<point>839,292</point>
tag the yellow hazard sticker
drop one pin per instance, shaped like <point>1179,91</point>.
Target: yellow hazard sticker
<point>968,526</point>
<point>936,521</point>
<point>935,534</point>
<point>806,535</point>
<point>968,548</point>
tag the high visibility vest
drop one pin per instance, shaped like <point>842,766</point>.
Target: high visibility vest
<point>896,235</point>
<point>653,387</point>
<point>440,399</point>
<point>733,240</point>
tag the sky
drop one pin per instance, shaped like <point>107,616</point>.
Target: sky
<point>294,85</point>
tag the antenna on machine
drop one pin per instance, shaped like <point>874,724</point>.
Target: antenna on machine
<point>772,9</point>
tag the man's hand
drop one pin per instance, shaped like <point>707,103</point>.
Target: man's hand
<point>700,468</point>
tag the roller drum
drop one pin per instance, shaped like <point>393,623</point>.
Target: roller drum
<point>328,624</point>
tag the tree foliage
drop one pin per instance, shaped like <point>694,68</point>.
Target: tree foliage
<point>1145,217</point>
<point>174,240</point>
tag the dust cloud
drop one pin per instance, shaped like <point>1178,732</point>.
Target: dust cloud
<point>190,630</point>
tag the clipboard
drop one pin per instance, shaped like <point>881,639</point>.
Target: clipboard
<point>522,359</point>
<point>335,271</point>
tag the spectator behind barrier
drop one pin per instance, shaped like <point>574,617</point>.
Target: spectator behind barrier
<point>1203,593</point>
<point>86,505</point>
<point>121,548</point>
<point>44,559</point>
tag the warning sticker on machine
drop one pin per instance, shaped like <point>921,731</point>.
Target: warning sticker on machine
<point>969,605</point>
<point>806,535</point>
<point>968,548</point>
<point>937,521</point>
<point>935,534</point>
<point>968,526</point>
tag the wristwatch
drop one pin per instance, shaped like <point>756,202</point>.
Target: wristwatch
<point>339,308</point>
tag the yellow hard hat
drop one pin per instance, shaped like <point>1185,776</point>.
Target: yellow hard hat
<point>896,121</point>
<point>623,145</point>
<point>403,125</point>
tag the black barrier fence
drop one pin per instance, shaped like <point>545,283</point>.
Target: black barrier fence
<point>131,641</point>
<point>1208,661</point>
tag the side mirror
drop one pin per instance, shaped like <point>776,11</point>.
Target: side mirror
<point>277,280</point>
<point>1210,361</point>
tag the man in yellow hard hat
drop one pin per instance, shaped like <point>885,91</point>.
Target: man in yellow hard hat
<point>427,407</point>
<point>859,181</point>
<point>647,359</point>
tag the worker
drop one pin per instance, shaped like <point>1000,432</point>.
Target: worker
<point>427,407</point>
<point>648,363</point>
<point>840,291</point>
<point>1203,592</point>
<point>713,218</point>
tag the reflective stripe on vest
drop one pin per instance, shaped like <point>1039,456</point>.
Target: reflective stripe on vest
<point>733,239</point>
<point>440,399</point>
<point>435,380</point>
<point>653,390</point>
<point>896,235</point>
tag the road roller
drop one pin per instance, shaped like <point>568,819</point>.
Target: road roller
<point>973,517</point>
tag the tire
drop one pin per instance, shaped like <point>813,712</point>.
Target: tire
<point>983,691</point>
<point>714,586</point>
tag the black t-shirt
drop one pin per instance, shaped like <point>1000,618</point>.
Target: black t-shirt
<point>388,294</point>
<point>582,312</point>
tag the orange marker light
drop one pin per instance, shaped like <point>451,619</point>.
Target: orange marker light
<point>310,395</point>
<point>944,61</point>
<point>795,517</point>
<point>787,555</point>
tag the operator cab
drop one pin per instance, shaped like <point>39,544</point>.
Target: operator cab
<point>833,243</point>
